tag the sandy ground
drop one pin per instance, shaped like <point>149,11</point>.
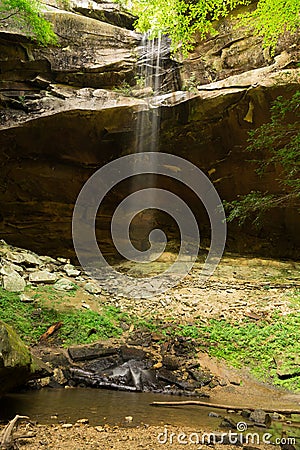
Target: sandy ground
<point>80,437</point>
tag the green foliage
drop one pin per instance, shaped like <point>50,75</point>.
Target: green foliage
<point>253,204</point>
<point>31,320</point>
<point>257,345</point>
<point>140,81</point>
<point>191,83</point>
<point>278,141</point>
<point>272,17</point>
<point>189,331</point>
<point>27,15</point>
<point>77,326</point>
<point>123,88</point>
<point>181,19</point>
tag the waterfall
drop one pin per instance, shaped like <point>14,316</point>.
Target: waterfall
<point>150,73</point>
<point>135,225</point>
<point>135,219</point>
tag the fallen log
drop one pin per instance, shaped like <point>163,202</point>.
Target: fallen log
<point>220,406</point>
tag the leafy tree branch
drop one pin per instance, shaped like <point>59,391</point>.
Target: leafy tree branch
<point>181,19</point>
<point>27,15</point>
<point>279,143</point>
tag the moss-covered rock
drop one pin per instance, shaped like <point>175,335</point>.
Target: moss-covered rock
<point>17,365</point>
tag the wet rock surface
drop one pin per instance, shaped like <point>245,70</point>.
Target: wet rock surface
<point>122,367</point>
<point>93,351</point>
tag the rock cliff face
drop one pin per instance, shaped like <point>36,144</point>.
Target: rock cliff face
<point>68,110</point>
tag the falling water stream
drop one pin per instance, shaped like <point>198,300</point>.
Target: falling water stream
<point>149,78</point>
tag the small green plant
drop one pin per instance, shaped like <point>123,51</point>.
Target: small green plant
<point>191,84</point>
<point>65,4</point>
<point>140,81</point>
<point>295,299</point>
<point>190,331</point>
<point>123,88</point>
<point>22,99</point>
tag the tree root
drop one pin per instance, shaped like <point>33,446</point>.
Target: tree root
<point>7,440</point>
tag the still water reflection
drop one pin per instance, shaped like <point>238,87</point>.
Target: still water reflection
<point>102,406</point>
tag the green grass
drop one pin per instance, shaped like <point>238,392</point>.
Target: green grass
<point>189,331</point>
<point>31,320</point>
<point>45,293</point>
<point>257,345</point>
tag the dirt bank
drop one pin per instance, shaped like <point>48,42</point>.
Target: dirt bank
<point>79,437</point>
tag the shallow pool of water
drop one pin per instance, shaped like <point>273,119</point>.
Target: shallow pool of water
<point>103,407</point>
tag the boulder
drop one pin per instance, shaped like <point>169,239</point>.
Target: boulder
<point>92,288</point>
<point>129,353</point>
<point>63,284</point>
<point>25,258</point>
<point>71,271</point>
<point>105,11</point>
<point>42,276</point>
<point>17,364</point>
<point>12,280</point>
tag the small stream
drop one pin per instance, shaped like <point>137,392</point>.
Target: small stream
<point>103,407</point>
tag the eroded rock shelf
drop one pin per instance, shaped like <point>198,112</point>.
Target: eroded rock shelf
<point>68,110</point>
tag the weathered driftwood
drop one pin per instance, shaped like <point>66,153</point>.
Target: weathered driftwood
<point>56,326</point>
<point>220,406</point>
<point>7,440</point>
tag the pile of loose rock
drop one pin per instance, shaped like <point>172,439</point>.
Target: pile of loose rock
<point>20,268</point>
